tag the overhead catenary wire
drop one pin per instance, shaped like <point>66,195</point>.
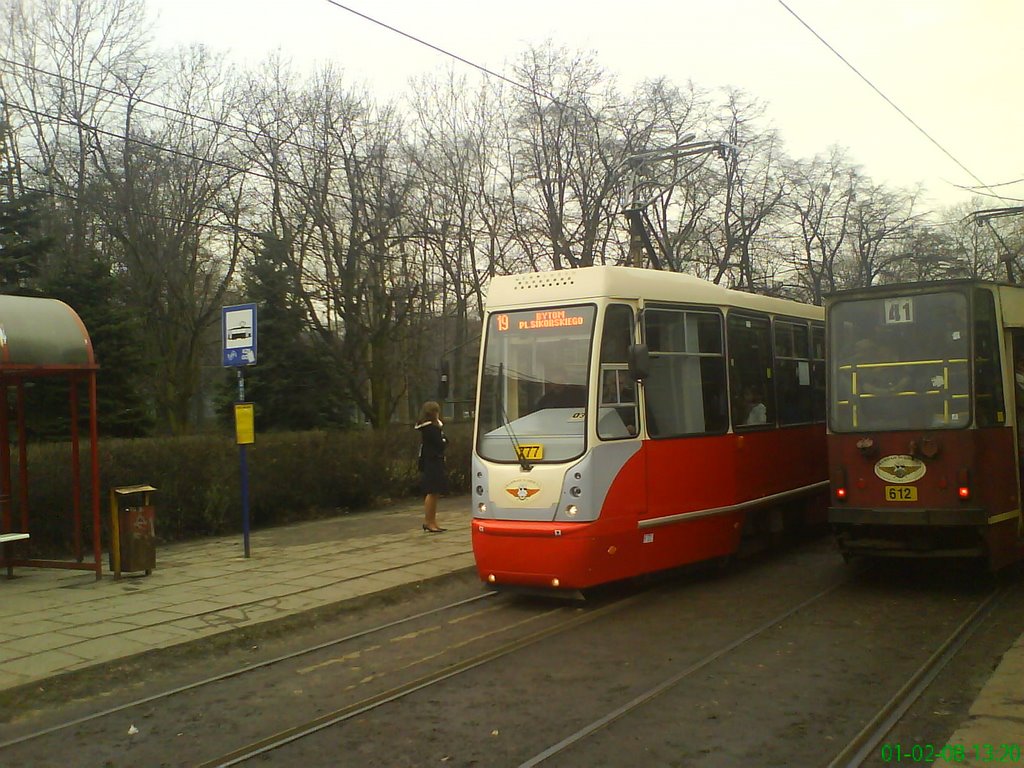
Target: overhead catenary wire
<point>217,163</point>
<point>492,73</point>
<point>250,132</point>
<point>187,115</point>
<point>887,100</point>
<point>286,182</point>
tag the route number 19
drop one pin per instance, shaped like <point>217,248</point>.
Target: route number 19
<point>899,311</point>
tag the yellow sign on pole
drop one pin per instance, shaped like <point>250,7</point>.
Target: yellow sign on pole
<point>245,423</point>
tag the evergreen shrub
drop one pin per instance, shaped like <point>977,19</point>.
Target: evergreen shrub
<point>293,476</point>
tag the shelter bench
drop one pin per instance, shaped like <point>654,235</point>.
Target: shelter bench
<point>7,539</point>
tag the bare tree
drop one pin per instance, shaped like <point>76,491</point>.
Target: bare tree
<point>461,215</point>
<point>64,58</point>
<point>567,155</point>
<point>752,193</point>
<point>882,222</point>
<point>172,194</point>
<point>823,193</point>
<point>349,245</point>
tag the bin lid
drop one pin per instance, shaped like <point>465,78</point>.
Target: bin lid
<point>40,336</point>
<point>134,489</point>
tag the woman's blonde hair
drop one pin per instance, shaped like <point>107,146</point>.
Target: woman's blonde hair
<point>431,411</point>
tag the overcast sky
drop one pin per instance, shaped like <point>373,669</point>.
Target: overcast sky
<point>953,66</point>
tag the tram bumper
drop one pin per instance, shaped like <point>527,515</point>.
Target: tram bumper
<point>918,516</point>
<point>539,555</point>
<point>920,532</point>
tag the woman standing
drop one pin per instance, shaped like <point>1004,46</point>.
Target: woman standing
<point>433,475</point>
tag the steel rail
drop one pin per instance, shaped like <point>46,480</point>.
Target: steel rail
<point>864,743</point>
<point>240,671</point>
<point>370,703</point>
<point>672,681</point>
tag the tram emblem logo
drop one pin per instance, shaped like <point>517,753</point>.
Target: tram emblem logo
<point>521,490</point>
<point>900,468</point>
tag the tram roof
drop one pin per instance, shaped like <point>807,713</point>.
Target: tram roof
<point>561,286</point>
<point>1011,295</point>
<point>921,286</point>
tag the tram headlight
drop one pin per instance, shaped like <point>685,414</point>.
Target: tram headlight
<point>572,510</point>
<point>481,508</point>
<point>575,491</point>
<point>479,490</point>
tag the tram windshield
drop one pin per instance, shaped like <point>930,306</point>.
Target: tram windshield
<point>900,362</point>
<point>534,394</point>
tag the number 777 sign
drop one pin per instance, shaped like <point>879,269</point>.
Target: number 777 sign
<point>238,331</point>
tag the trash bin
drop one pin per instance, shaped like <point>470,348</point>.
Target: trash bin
<point>133,530</point>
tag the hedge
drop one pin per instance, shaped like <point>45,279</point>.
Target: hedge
<point>292,476</point>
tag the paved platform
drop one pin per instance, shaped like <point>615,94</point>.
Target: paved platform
<point>54,621</point>
<point>993,733</point>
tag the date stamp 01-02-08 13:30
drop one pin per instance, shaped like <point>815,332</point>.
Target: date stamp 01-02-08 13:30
<point>925,754</point>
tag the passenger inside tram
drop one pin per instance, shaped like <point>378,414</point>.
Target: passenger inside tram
<point>559,393</point>
<point>756,410</point>
<point>881,377</point>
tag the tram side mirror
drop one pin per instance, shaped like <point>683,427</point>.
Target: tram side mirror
<point>639,362</point>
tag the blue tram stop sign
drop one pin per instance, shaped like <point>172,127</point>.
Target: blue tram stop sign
<point>238,331</point>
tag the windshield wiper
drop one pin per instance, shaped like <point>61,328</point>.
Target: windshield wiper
<point>523,463</point>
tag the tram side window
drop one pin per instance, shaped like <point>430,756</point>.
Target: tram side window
<point>750,370</point>
<point>685,391</point>
<point>618,411</point>
<point>988,384</point>
<point>793,372</point>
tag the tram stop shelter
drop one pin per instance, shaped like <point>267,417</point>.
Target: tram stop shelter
<point>44,337</point>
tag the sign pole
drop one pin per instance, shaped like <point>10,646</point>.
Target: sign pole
<point>243,459</point>
<point>238,331</point>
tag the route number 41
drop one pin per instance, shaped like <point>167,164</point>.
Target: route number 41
<point>899,311</point>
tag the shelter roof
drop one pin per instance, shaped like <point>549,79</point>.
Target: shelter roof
<point>42,336</point>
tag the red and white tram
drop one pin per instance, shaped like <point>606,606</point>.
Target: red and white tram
<point>924,420</point>
<point>632,420</point>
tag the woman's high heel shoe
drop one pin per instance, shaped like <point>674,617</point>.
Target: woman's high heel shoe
<point>433,530</point>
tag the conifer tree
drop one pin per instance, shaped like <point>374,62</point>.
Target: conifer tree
<point>292,387</point>
<point>92,291</point>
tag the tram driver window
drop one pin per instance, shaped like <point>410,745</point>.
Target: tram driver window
<point>617,397</point>
<point>988,395</point>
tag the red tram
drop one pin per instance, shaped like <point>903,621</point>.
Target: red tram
<point>631,420</point>
<point>924,420</point>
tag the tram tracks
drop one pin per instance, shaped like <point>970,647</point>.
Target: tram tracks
<point>349,711</point>
<point>860,749</point>
<point>866,742</point>
<point>237,672</point>
<point>823,609</point>
<point>366,706</point>
<point>502,616</point>
<point>649,695</point>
